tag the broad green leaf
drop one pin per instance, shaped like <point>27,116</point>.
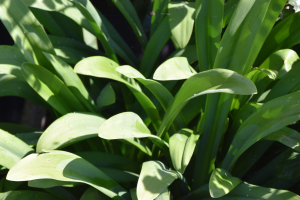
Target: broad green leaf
<point>73,82</point>
<point>26,195</point>
<point>211,81</point>
<point>221,183</point>
<point>286,136</point>
<point>84,15</point>
<point>49,183</point>
<point>26,32</point>
<point>133,194</point>
<point>64,166</point>
<point>164,195</point>
<point>154,179</point>
<point>182,145</point>
<point>128,125</point>
<point>12,86</point>
<point>283,36</point>
<point>106,97</point>
<point>127,9</point>
<point>12,149</point>
<point>29,138</point>
<point>92,193</point>
<point>174,69</point>
<point>154,47</point>
<point>68,129</point>
<point>60,192</point>
<point>159,10</point>
<point>105,68</point>
<point>120,176</point>
<point>181,21</point>
<point>89,39</point>
<point>11,60</point>
<point>51,89</point>
<point>269,118</point>
<point>208,29</point>
<point>189,52</point>
<point>287,84</point>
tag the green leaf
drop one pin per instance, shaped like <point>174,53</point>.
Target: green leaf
<point>106,97</point>
<point>164,195</point>
<point>211,81</point>
<point>17,128</point>
<point>221,183</point>
<point>12,149</point>
<point>174,69</point>
<point>29,138</point>
<point>64,166</point>
<point>181,21</point>
<point>127,9</point>
<point>49,183</point>
<point>154,179</point>
<point>73,82</point>
<point>269,118</point>
<point>26,32</point>
<point>51,89</point>
<point>154,47</point>
<point>159,10</point>
<point>283,36</point>
<point>26,195</point>
<point>12,86</point>
<point>229,8</point>
<point>92,193</point>
<point>69,129</point>
<point>128,125</point>
<point>182,145</point>
<point>105,68</point>
<point>286,136</point>
<point>208,29</point>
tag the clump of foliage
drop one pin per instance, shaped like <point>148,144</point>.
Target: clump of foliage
<point>214,120</point>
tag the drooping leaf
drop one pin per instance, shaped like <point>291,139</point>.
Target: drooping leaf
<point>12,149</point>
<point>269,118</point>
<point>92,193</point>
<point>128,125</point>
<point>174,69</point>
<point>211,81</point>
<point>64,166</point>
<point>181,21</point>
<point>221,183</point>
<point>105,68</point>
<point>51,89</point>
<point>106,97</point>
<point>68,129</point>
<point>49,183</point>
<point>154,179</point>
<point>189,52</point>
<point>66,74</point>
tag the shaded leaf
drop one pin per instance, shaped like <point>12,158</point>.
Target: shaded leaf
<point>106,97</point>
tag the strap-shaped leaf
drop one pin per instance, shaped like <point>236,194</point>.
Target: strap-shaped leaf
<point>51,89</point>
<point>26,195</point>
<point>106,68</point>
<point>69,129</point>
<point>127,9</point>
<point>221,183</point>
<point>128,125</point>
<point>211,81</point>
<point>70,78</point>
<point>154,179</point>
<point>49,183</point>
<point>64,166</point>
<point>269,118</point>
<point>189,52</point>
<point>181,21</point>
<point>26,31</point>
<point>229,8</point>
<point>159,11</point>
<point>174,69</point>
<point>12,149</point>
<point>92,193</point>
<point>208,29</point>
<point>154,47</point>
